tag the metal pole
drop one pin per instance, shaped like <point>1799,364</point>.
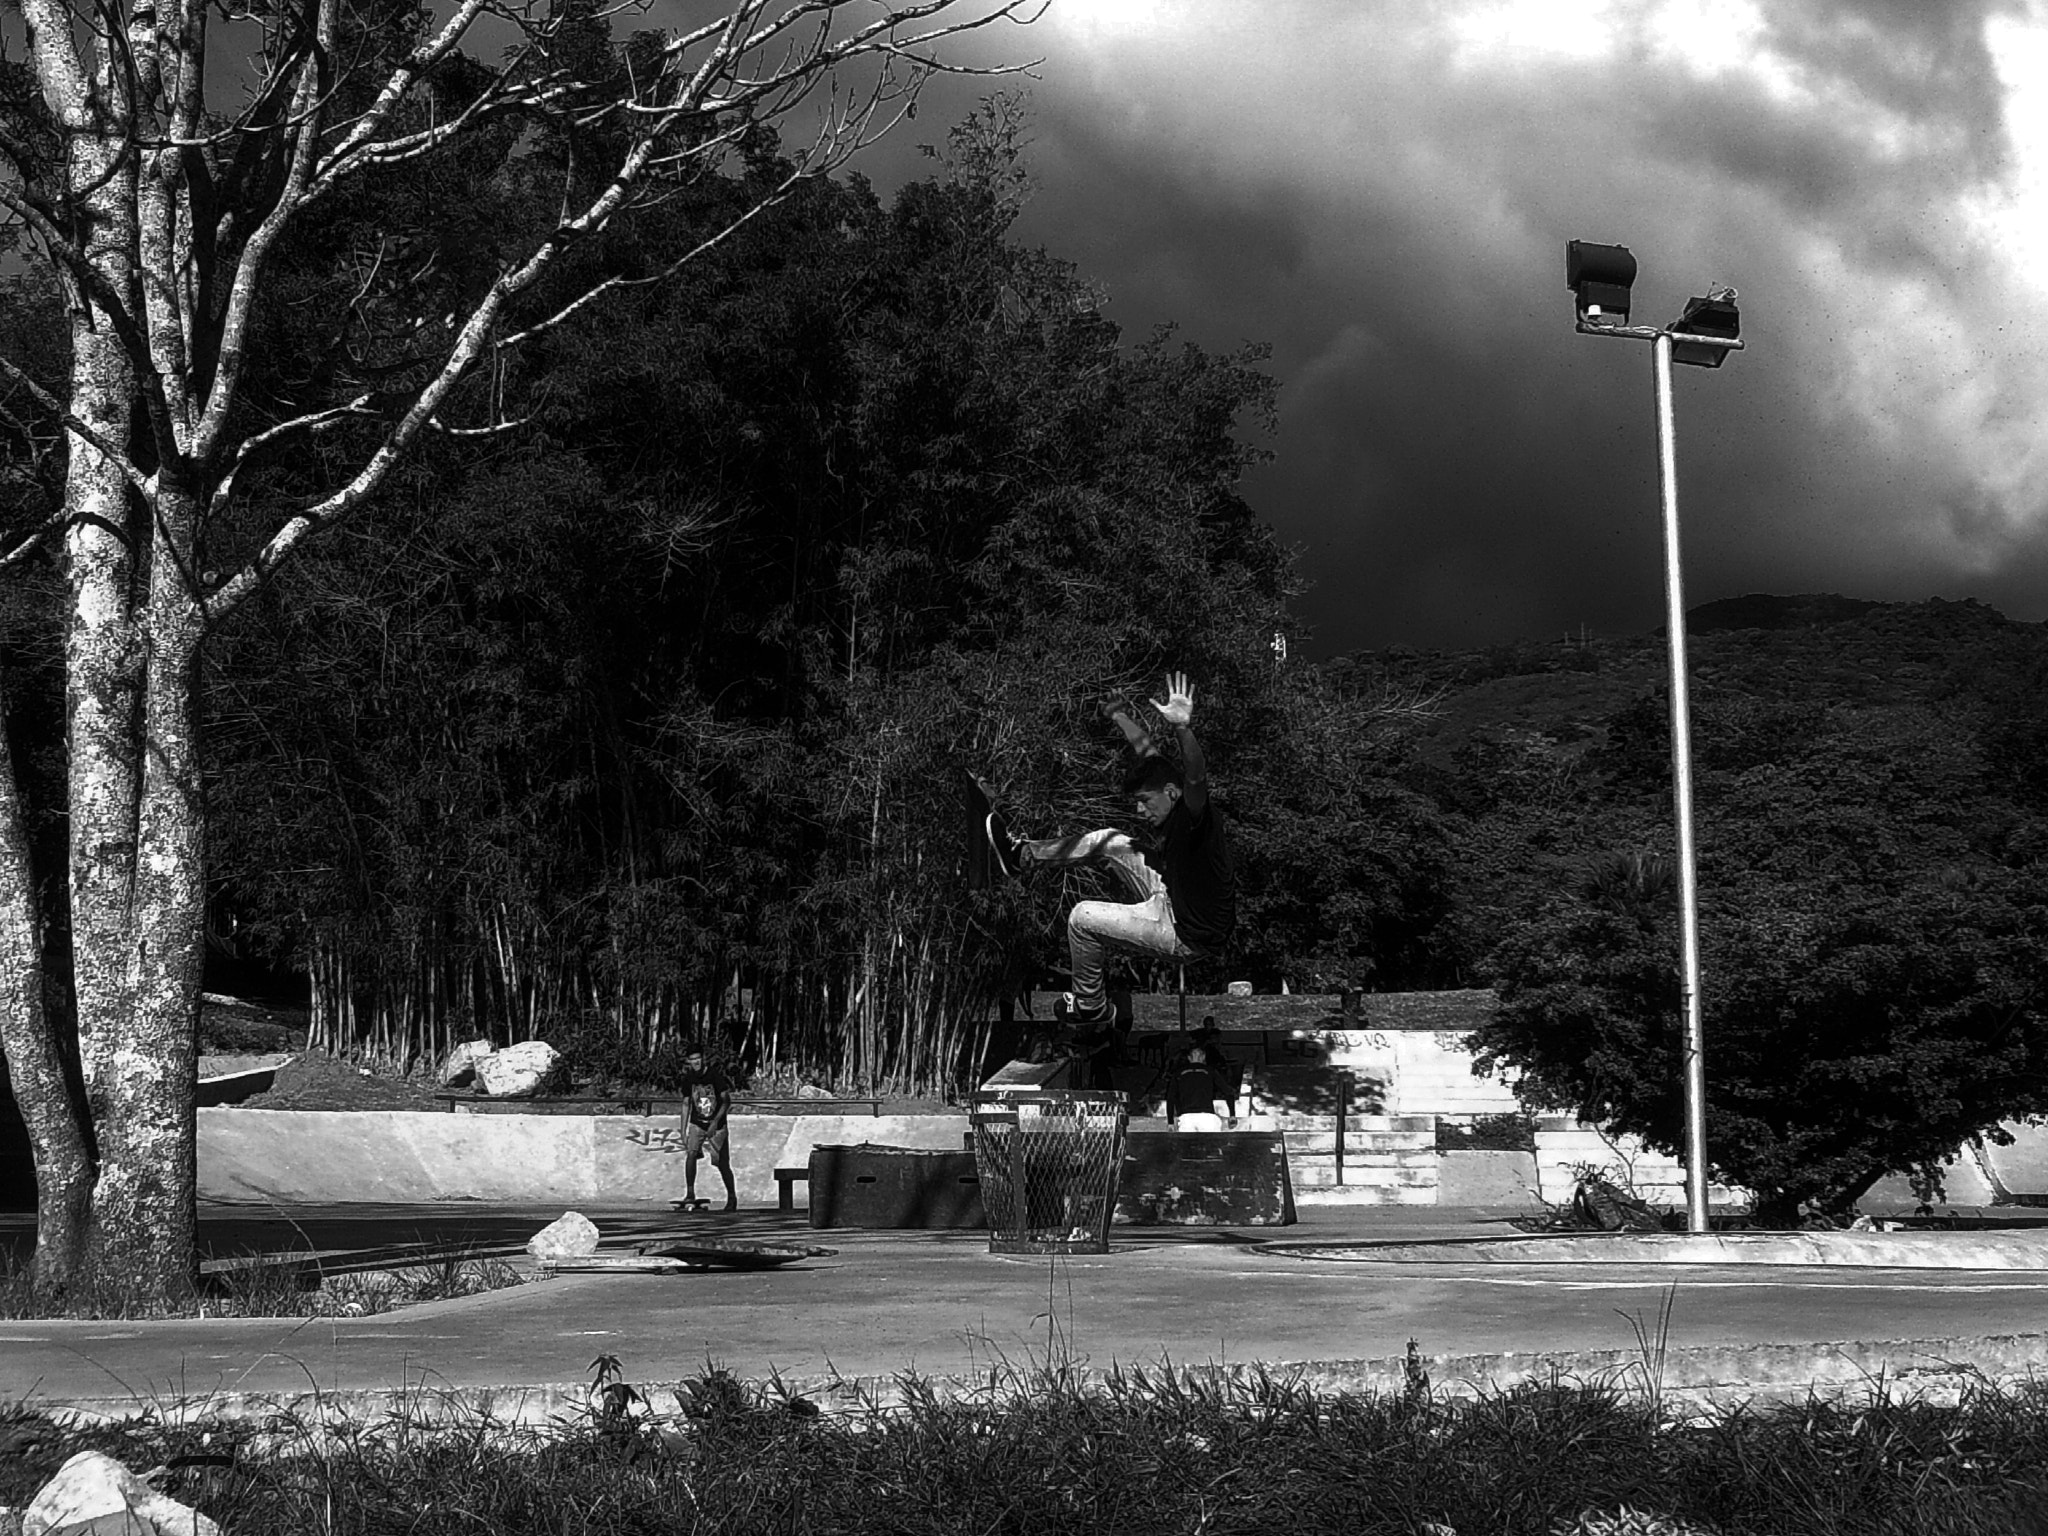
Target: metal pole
<point>1681,794</point>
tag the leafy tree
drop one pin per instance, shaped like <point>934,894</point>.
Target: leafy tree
<point>160,213</point>
<point>877,459</point>
<point>1873,912</point>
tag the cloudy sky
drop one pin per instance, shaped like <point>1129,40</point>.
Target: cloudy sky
<point>1383,190</point>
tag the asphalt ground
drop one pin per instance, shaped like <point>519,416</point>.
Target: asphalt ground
<point>940,1304</point>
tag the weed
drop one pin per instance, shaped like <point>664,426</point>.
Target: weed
<point>1653,1346</point>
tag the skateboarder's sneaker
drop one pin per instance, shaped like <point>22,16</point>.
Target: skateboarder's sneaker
<point>1069,1010</point>
<point>1006,846</point>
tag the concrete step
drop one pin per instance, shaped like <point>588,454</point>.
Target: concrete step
<point>1361,1141</point>
<point>1364,1195</point>
<point>1387,1125</point>
<point>1330,1177</point>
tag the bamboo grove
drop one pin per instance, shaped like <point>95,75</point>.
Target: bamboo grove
<point>651,707</point>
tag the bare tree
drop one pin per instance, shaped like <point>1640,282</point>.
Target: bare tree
<point>157,210</point>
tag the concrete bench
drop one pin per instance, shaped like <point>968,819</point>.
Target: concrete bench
<point>785,1186</point>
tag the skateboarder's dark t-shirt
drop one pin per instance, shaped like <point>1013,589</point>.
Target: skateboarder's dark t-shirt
<point>1193,857</point>
<point>710,1099</point>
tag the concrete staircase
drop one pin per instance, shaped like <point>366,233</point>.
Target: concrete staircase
<point>1370,1160</point>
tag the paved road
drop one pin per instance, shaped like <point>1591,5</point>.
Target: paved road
<point>940,1303</point>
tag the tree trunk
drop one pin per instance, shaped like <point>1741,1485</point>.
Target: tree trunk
<point>35,1064</point>
<point>145,1200</point>
<point>102,666</point>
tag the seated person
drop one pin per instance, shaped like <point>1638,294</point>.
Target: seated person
<point>1193,1092</point>
<point>1229,1074</point>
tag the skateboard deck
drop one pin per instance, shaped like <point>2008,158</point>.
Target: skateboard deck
<point>989,859</point>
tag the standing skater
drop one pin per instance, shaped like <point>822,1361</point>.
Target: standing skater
<point>1182,879</point>
<point>705,1130</point>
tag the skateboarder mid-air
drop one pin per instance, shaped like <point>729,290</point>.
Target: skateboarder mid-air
<point>1182,879</point>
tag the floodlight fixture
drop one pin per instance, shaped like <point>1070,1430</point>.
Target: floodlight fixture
<point>1715,317</point>
<point>1600,276</point>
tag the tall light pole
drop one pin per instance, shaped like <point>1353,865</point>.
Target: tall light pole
<point>1600,277</point>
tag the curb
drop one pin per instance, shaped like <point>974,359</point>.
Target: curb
<point>1686,1379</point>
<point>1871,1250</point>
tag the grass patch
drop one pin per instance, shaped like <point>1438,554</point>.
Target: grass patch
<point>1138,1453</point>
<point>270,1285</point>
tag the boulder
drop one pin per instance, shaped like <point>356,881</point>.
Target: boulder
<point>813,1091</point>
<point>518,1069</point>
<point>571,1235</point>
<point>94,1495</point>
<point>460,1067</point>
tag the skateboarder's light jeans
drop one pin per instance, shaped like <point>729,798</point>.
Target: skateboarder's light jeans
<point>1095,927</point>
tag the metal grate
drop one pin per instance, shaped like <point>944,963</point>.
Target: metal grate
<point>1048,1163</point>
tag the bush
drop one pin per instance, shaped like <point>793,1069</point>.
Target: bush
<point>596,1054</point>
<point>1140,1453</point>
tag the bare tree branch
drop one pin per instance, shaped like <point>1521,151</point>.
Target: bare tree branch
<point>227,376</point>
<point>311,422</point>
<point>114,455</point>
<point>67,88</point>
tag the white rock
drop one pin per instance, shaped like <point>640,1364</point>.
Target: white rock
<point>460,1066</point>
<point>1240,989</point>
<point>517,1069</point>
<point>571,1235</point>
<point>94,1495</point>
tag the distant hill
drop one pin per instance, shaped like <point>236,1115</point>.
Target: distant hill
<point>1878,741</point>
<point>1813,647</point>
<point>1762,610</point>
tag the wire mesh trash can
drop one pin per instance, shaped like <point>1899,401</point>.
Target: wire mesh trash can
<point>1049,1162</point>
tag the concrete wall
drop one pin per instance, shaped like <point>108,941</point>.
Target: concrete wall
<point>1488,1179</point>
<point>1418,1071</point>
<point>293,1156</point>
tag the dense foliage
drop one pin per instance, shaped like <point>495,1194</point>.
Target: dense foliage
<point>1873,864</point>
<point>656,704</point>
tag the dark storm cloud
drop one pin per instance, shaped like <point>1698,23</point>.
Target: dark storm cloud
<point>1383,192</point>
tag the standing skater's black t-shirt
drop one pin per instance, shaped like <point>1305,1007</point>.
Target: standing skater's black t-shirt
<point>710,1098</point>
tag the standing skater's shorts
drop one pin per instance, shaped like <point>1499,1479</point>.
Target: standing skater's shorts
<point>704,1141</point>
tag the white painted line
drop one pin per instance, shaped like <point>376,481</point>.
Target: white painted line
<point>1806,1284</point>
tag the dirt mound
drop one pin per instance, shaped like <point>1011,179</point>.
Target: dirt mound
<point>314,1081</point>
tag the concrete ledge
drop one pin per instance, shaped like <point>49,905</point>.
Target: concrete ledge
<point>305,1157</point>
<point>1872,1250</point>
<point>1686,1379</point>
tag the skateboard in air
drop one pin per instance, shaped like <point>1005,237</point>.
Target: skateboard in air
<point>992,843</point>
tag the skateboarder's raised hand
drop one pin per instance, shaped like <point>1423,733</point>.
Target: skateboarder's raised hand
<point>1178,707</point>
